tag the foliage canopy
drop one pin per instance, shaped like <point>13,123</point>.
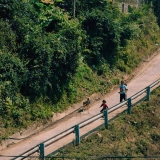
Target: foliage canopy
<point>50,59</point>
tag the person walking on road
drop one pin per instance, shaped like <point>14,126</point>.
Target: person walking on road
<point>104,105</point>
<point>123,90</point>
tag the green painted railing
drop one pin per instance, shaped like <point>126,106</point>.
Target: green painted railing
<point>141,95</point>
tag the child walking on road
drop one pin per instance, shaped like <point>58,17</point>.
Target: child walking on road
<point>103,105</point>
<point>123,90</point>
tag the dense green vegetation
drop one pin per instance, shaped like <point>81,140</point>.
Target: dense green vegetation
<point>50,59</point>
<point>135,135</point>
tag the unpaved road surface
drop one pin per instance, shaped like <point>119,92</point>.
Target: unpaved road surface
<point>147,73</point>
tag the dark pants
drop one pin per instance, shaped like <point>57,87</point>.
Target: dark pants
<point>102,110</point>
<point>123,96</point>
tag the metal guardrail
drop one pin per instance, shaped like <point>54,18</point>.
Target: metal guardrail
<point>55,138</point>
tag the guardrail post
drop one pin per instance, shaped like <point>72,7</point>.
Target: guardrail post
<point>42,154</point>
<point>148,93</point>
<point>129,105</point>
<point>106,118</point>
<point>77,134</point>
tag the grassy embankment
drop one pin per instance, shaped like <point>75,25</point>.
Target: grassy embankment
<point>101,79</point>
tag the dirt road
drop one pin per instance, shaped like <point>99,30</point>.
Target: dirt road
<point>146,74</point>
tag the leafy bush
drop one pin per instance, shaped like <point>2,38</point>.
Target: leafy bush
<point>13,74</point>
<point>7,37</point>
